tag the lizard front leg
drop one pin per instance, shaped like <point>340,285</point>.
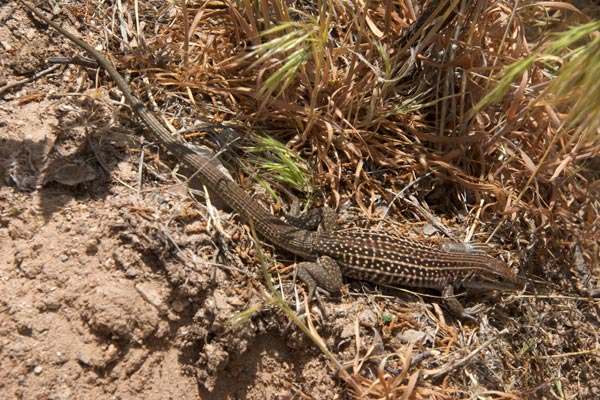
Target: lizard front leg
<point>322,219</point>
<point>454,305</point>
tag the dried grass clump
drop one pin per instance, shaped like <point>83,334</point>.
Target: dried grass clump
<point>373,100</point>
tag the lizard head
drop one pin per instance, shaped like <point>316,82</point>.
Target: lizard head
<point>495,275</point>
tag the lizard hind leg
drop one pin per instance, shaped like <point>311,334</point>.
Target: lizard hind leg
<point>324,273</point>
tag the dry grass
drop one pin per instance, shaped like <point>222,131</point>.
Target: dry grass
<point>485,110</point>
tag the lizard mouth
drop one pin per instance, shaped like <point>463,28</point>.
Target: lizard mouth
<point>516,284</point>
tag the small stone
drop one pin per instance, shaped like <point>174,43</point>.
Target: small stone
<point>411,336</point>
<point>91,249</point>
<point>179,305</point>
<point>429,230</point>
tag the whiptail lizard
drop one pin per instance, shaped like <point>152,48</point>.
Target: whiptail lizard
<point>360,254</point>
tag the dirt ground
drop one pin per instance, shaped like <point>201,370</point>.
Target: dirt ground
<point>116,284</point>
